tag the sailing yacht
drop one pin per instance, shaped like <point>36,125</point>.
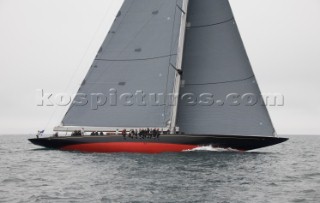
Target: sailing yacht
<point>178,66</point>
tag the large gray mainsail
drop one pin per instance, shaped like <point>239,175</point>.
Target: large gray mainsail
<point>216,66</point>
<point>137,58</point>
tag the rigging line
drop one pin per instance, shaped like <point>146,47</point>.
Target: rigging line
<point>200,26</point>
<point>121,19</point>
<point>91,42</point>
<point>81,61</point>
<point>138,59</point>
<point>215,83</point>
<point>116,26</point>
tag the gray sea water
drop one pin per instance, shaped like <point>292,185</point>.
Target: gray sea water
<point>289,172</point>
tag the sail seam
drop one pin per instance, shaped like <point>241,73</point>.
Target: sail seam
<point>139,59</point>
<point>230,81</point>
<point>200,26</point>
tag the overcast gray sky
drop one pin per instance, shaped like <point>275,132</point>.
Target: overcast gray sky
<point>50,44</point>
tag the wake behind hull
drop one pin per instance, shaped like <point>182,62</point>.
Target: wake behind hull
<point>166,143</point>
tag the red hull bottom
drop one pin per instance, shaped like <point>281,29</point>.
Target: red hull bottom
<point>128,147</point>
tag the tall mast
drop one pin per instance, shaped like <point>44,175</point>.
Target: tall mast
<point>184,10</point>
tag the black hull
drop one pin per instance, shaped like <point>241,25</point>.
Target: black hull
<point>165,143</point>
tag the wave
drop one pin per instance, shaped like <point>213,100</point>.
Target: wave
<point>211,149</point>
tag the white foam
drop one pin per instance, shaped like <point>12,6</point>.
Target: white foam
<point>211,149</point>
